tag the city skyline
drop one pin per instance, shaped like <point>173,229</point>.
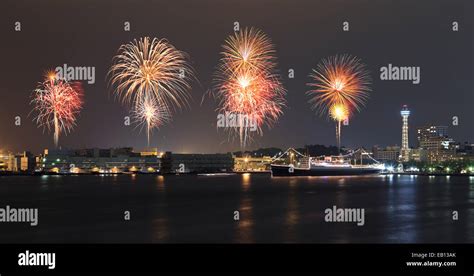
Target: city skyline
<point>444,90</point>
<point>412,144</point>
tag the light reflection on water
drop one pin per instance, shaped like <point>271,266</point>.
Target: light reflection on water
<point>399,208</point>
<point>44,182</point>
<point>292,213</point>
<point>160,181</point>
<point>160,225</point>
<point>400,215</point>
<point>403,214</point>
<point>390,178</point>
<point>470,211</point>
<point>245,182</point>
<point>244,231</point>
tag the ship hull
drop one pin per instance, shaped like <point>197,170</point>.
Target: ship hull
<point>321,171</point>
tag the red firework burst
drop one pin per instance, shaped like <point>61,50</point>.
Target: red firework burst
<point>258,96</point>
<point>57,104</point>
<point>247,83</point>
<point>340,80</point>
<point>341,86</point>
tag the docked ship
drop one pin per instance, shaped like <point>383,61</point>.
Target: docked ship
<point>296,164</point>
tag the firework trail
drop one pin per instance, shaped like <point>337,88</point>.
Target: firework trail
<point>57,104</point>
<point>339,113</point>
<point>247,84</point>
<point>151,72</point>
<point>341,86</point>
<point>150,114</point>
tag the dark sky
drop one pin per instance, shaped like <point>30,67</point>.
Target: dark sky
<point>88,33</point>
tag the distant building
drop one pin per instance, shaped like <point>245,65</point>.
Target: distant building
<point>465,151</point>
<point>439,149</point>
<point>418,155</point>
<point>3,162</point>
<point>387,154</point>
<point>98,160</point>
<point>432,143</point>
<point>425,133</point>
<point>197,163</point>
<point>249,163</point>
<point>150,152</point>
<point>27,162</point>
<point>14,163</point>
<point>435,144</point>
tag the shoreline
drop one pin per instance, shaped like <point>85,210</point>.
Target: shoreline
<point>430,174</point>
<point>208,174</point>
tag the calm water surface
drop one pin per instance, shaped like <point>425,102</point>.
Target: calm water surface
<point>200,209</point>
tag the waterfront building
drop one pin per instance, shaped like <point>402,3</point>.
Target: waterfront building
<point>196,163</point>
<point>14,163</point>
<point>113,160</point>
<point>3,161</point>
<point>418,155</point>
<point>249,163</point>
<point>441,155</point>
<point>387,154</point>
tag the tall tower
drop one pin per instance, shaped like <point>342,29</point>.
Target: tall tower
<point>405,150</point>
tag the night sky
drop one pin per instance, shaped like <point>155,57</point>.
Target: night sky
<point>88,33</point>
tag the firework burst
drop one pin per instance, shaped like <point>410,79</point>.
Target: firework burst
<point>57,104</point>
<point>151,73</point>
<point>247,83</point>
<point>339,112</point>
<point>249,50</point>
<point>150,114</point>
<point>341,86</point>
